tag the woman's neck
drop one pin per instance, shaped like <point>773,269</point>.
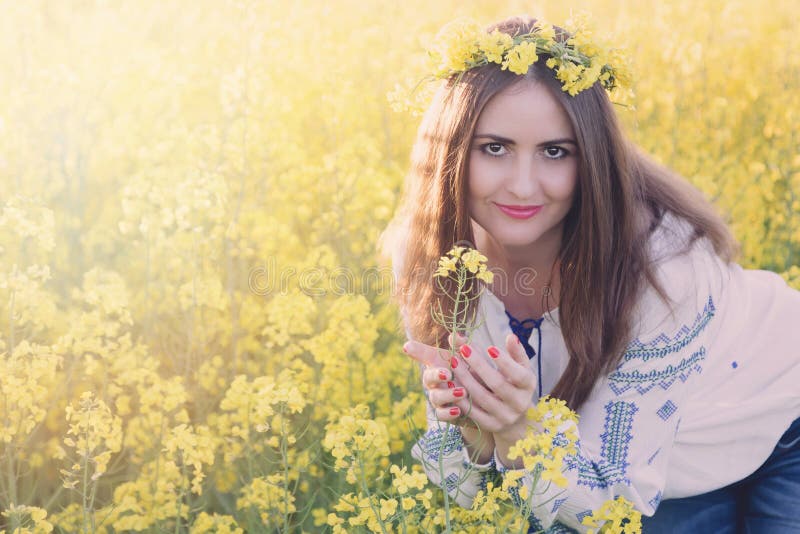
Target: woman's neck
<point>526,278</point>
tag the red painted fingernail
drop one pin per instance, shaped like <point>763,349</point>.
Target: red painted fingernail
<point>405,348</point>
<point>455,411</point>
<point>453,362</point>
<point>458,392</point>
<point>451,385</point>
<point>442,374</point>
<point>493,352</point>
<point>465,351</point>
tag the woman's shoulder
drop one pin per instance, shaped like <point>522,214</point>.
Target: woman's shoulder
<point>681,257</point>
<point>672,236</point>
<point>691,274</point>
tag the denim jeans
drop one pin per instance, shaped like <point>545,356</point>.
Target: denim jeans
<point>766,502</point>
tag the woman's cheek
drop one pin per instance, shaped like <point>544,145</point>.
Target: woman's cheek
<point>561,184</point>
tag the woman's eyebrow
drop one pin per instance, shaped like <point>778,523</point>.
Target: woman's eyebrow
<point>496,138</point>
<point>500,139</point>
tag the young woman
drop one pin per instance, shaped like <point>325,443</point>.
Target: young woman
<point>614,290</point>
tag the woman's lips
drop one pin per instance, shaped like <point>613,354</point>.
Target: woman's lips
<point>519,212</point>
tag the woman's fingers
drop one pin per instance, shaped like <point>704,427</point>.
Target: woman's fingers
<point>510,367</point>
<point>456,340</point>
<point>443,397</point>
<point>466,411</point>
<point>457,403</point>
<point>517,368</point>
<point>462,388</point>
<point>437,377</point>
<point>516,350</point>
<point>448,414</point>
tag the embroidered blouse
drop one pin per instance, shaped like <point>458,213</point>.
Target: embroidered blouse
<point>699,400</point>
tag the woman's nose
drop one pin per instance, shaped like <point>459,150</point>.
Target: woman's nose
<point>524,182</point>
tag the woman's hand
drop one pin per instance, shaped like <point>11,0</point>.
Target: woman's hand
<point>496,399</point>
<point>449,398</point>
<point>445,393</point>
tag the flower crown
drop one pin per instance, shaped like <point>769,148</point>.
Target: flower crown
<point>579,61</point>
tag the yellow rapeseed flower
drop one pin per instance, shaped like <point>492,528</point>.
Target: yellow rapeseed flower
<point>521,57</point>
<point>615,516</point>
<point>494,45</point>
<point>447,265</point>
<point>32,519</point>
<point>473,260</point>
<point>388,508</point>
<point>457,45</point>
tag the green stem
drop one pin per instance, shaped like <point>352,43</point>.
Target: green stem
<point>11,326</point>
<point>285,460</point>
<point>527,506</point>
<point>179,503</point>
<point>12,485</point>
<point>454,326</point>
<point>365,489</point>
<point>84,491</point>
<point>442,478</point>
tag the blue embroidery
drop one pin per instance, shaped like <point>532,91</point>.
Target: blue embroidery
<point>617,435</point>
<point>560,440</point>
<point>534,525</point>
<point>581,515</point>
<point>451,482</point>
<point>431,442</point>
<point>668,409</point>
<point>653,457</point>
<point>663,345</point>
<point>560,528</point>
<point>484,479</point>
<point>612,466</point>
<point>557,504</point>
<point>469,465</point>
<point>655,500</point>
<point>620,382</point>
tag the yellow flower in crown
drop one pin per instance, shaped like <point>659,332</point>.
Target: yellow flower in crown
<point>579,58</point>
<point>545,30</point>
<point>521,57</point>
<point>494,45</point>
<point>456,46</point>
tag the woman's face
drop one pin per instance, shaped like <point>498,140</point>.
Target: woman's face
<point>523,167</point>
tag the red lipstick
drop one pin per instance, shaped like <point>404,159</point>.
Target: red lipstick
<point>519,212</point>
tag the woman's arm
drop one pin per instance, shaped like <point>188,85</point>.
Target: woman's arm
<point>629,422</point>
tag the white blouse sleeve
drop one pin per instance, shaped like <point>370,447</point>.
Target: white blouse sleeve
<point>628,424</point>
<point>447,464</point>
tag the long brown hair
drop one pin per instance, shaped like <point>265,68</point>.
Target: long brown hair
<point>620,199</point>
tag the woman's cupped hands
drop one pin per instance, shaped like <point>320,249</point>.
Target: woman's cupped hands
<point>485,387</point>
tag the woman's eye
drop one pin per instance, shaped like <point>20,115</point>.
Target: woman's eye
<point>555,152</point>
<point>494,149</point>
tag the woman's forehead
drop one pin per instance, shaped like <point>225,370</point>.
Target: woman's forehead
<point>523,110</point>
